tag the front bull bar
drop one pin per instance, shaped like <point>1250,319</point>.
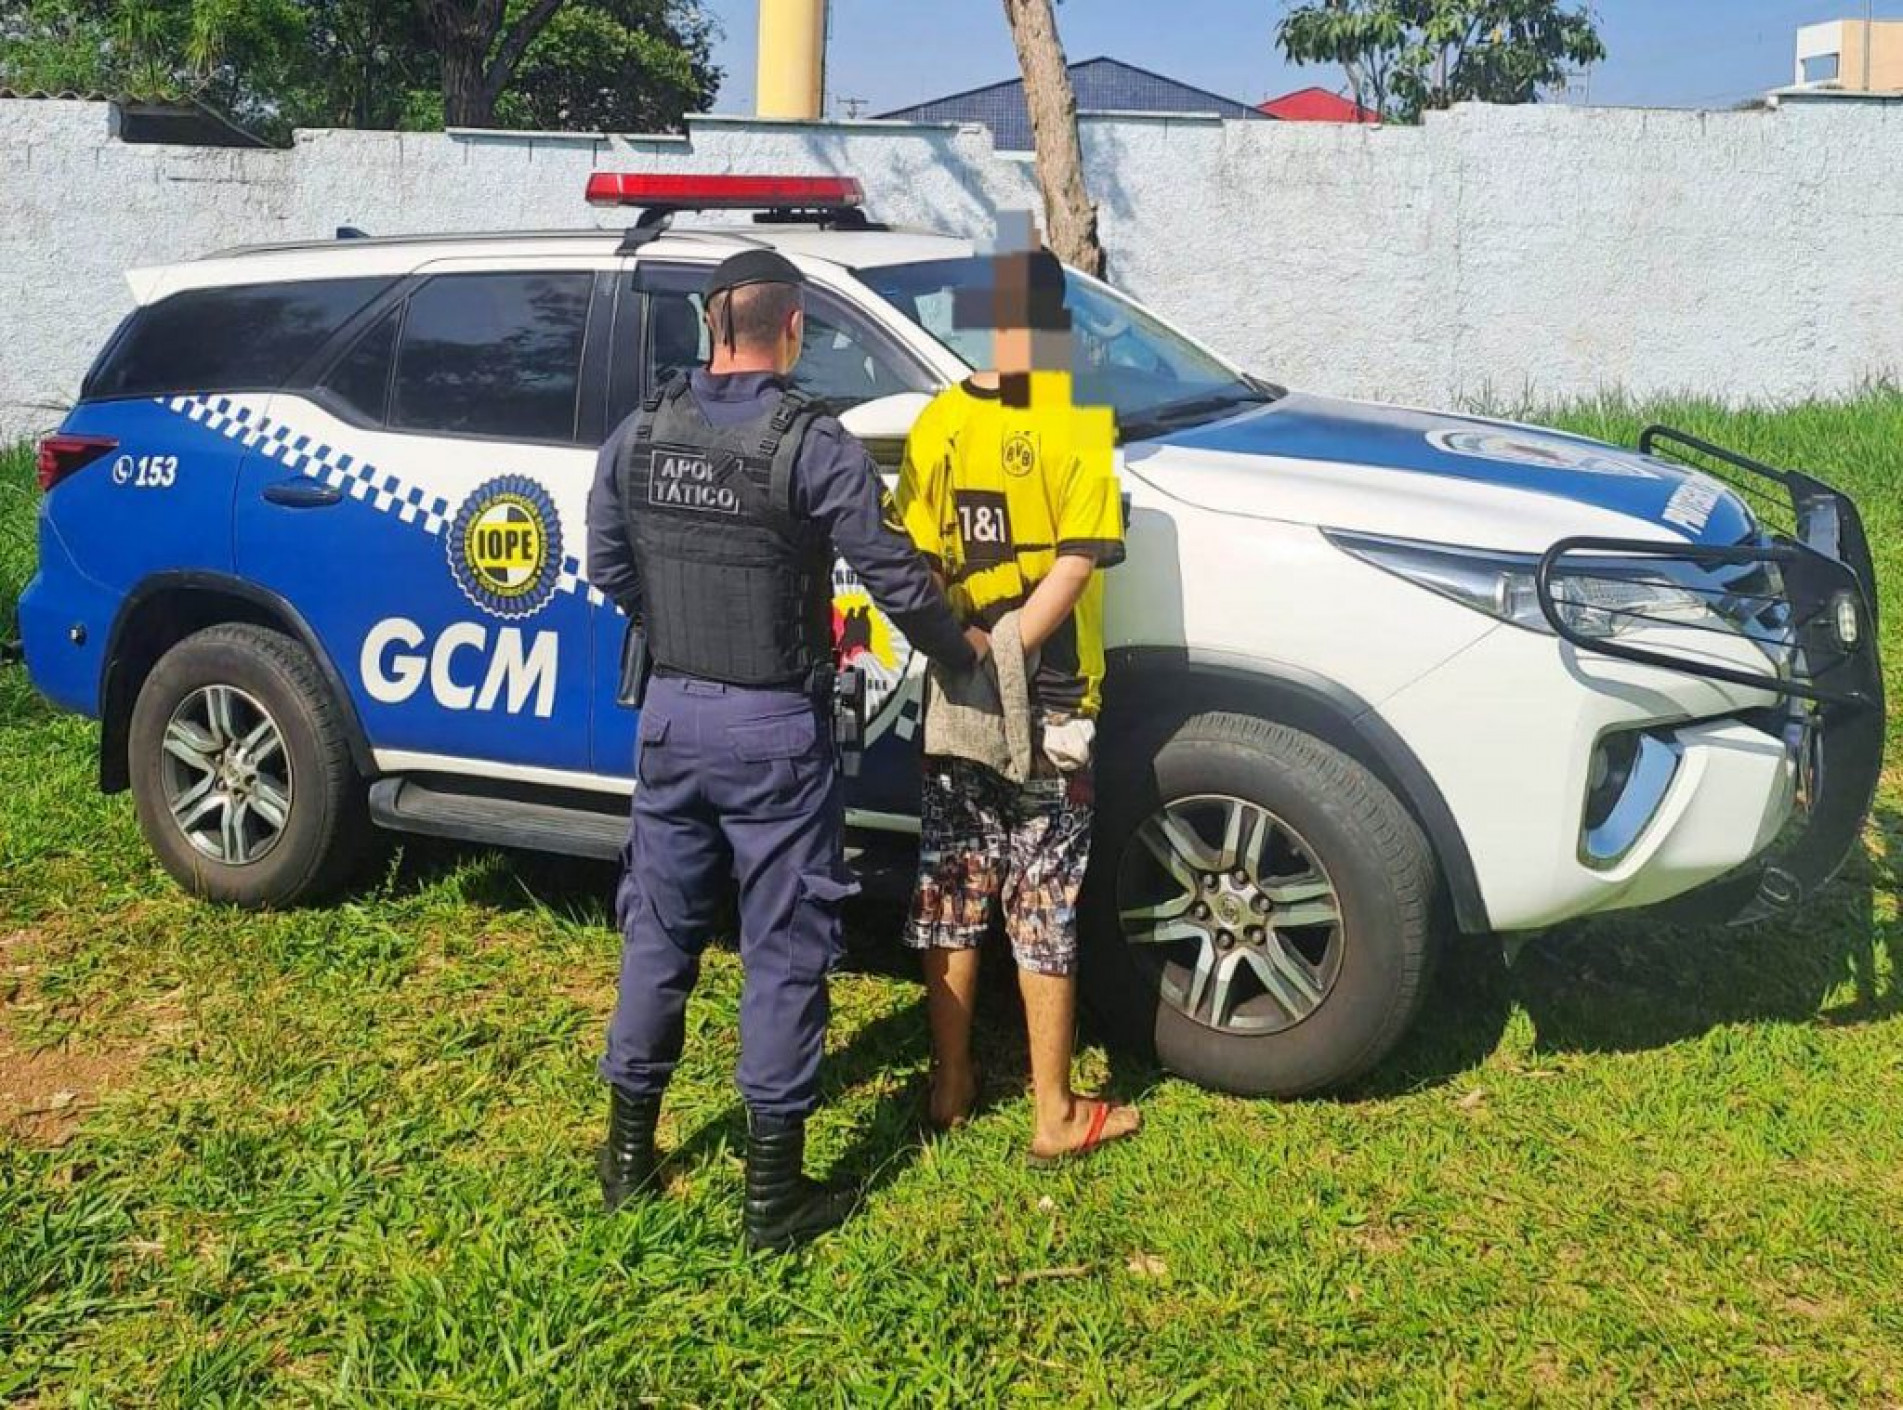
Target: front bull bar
<point>1824,618</point>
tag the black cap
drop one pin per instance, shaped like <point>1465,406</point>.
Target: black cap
<point>752,267</point>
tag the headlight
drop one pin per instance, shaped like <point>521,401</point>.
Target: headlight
<point>1614,598</point>
<point>1602,606</point>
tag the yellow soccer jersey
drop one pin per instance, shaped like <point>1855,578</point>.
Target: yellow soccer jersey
<point>993,493</point>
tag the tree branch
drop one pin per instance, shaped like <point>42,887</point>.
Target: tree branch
<point>522,34</point>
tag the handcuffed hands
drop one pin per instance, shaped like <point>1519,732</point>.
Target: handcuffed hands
<point>1068,744</point>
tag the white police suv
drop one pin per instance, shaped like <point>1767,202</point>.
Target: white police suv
<point>312,551</point>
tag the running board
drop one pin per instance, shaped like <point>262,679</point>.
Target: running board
<point>884,864</point>
<point>406,805</point>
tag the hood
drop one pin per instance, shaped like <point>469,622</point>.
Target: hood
<point>1347,464</point>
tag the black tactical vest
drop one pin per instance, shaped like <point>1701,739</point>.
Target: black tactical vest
<point>734,586</point>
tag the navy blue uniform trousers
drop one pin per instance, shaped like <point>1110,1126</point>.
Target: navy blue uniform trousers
<point>734,786</point>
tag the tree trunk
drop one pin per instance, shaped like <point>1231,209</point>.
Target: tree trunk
<point>466,99</point>
<point>1070,220</point>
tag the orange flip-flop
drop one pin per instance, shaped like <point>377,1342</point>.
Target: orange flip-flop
<point>1094,1139</point>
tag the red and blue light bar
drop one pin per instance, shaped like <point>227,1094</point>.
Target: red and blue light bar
<point>725,193</point>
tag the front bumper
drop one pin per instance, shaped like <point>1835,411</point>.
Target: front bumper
<point>1771,772</point>
<point>1509,730</point>
<point>1822,626</point>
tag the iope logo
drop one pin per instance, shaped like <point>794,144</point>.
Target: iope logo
<point>505,547</point>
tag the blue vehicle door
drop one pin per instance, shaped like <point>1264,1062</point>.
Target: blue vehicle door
<point>420,501</point>
<point>848,360</point>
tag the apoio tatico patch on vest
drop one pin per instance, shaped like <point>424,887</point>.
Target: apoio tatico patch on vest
<point>736,584</point>
<point>682,477</point>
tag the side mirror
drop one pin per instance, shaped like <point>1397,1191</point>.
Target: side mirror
<point>882,425</point>
<point>885,418</point>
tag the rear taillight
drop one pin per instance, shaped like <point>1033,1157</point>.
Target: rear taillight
<point>62,455</point>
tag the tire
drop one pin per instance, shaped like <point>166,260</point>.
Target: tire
<point>1323,822</point>
<point>308,781</point>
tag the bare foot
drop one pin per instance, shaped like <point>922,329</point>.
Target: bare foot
<point>954,1095</point>
<point>1091,1123</point>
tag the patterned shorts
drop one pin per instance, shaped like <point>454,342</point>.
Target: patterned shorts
<point>986,840</point>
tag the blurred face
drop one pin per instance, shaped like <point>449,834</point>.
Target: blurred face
<point>1013,350</point>
<point>1022,316</point>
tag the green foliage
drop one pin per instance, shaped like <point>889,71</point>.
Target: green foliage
<point>615,66</point>
<point>233,54</point>
<point>368,62</point>
<point>19,498</point>
<point>343,1156</point>
<point>274,65</point>
<point>1403,57</point>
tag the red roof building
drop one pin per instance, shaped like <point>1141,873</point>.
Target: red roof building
<point>1317,105</point>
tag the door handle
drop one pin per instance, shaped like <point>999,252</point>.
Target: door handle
<point>302,494</point>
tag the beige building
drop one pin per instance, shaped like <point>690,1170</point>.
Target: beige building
<point>1862,56</point>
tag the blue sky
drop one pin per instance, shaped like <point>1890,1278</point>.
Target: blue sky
<point>1662,53</point>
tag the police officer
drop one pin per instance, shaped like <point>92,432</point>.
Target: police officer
<point>713,520</point>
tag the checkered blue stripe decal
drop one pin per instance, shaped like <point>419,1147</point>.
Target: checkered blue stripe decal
<point>382,491</point>
<point>911,712</point>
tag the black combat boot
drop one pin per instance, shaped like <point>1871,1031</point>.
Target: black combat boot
<point>627,1163</point>
<point>784,1208</point>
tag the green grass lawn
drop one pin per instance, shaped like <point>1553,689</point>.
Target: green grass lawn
<point>344,1155</point>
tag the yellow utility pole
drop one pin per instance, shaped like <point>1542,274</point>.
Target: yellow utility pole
<point>792,59</point>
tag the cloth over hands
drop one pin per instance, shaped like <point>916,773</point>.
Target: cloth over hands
<point>985,714</point>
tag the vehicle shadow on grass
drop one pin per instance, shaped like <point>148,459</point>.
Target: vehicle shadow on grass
<point>1639,982</point>
<point>579,890</point>
<point>1629,985</point>
<point>1617,985</point>
<point>1462,1019</point>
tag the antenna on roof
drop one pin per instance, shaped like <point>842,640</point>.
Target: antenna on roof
<point>648,226</point>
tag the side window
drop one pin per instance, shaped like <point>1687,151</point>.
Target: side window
<point>241,337</point>
<point>493,355</point>
<point>845,360</point>
<point>361,378</point>
<point>676,334</point>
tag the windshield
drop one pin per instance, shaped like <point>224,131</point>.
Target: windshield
<point>1155,379</point>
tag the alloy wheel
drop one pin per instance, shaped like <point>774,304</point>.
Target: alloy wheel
<point>226,775</point>
<point>1232,913</point>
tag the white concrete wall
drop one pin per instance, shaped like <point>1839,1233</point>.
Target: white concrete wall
<point>1493,255</point>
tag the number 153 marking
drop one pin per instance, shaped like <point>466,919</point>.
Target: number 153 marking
<point>146,472</point>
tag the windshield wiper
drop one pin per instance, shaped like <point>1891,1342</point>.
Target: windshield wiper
<point>1175,413</point>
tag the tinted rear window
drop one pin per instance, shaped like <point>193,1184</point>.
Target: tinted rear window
<point>243,337</point>
<point>361,378</point>
<point>493,355</point>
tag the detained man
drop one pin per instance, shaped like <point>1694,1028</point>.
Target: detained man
<point>1010,491</point>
